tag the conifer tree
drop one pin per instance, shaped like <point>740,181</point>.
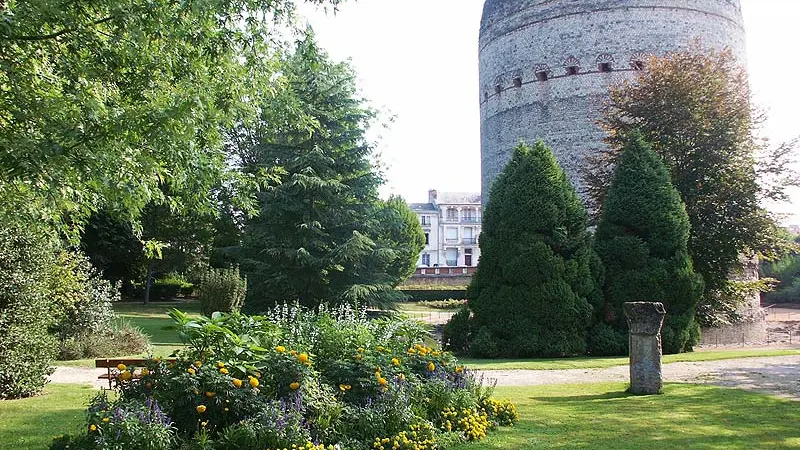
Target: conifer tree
<point>531,293</point>
<point>642,239</point>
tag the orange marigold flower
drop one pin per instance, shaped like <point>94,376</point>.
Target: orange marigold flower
<point>303,358</point>
<point>253,382</point>
<point>382,381</point>
<point>125,375</point>
<point>201,409</point>
<point>121,367</point>
<point>237,382</point>
<point>294,386</point>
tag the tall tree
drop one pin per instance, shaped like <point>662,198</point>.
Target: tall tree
<point>531,293</point>
<point>642,239</point>
<point>694,107</point>
<point>104,101</point>
<point>317,238</point>
<point>399,229</point>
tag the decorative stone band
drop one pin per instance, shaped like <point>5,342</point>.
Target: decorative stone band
<point>644,318</point>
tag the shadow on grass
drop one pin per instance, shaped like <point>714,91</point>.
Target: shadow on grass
<point>603,416</point>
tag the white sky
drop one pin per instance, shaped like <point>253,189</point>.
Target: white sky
<point>417,60</point>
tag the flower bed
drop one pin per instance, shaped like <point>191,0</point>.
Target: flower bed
<point>295,379</point>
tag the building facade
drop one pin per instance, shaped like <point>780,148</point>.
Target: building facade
<point>452,225</point>
<point>546,66</point>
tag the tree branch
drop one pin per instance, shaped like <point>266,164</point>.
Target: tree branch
<point>57,34</point>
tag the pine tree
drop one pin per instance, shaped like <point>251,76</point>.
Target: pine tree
<point>642,239</point>
<point>531,293</point>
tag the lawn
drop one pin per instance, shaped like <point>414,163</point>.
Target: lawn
<point>153,320</point>
<point>585,362</point>
<point>31,423</point>
<point>581,416</point>
<point>603,416</point>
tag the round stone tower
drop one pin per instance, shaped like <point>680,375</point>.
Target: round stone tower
<point>546,65</point>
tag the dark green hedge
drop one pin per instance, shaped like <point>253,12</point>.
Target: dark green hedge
<point>419,295</point>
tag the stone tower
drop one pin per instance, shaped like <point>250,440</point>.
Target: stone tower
<point>546,65</point>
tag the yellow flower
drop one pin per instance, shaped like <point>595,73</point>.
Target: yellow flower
<point>210,394</point>
<point>431,366</point>
<point>145,372</point>
<point>344,387</point>
<point>382,381</point>
<point>92,427</point>
<point>237,382</point>
<point>220,364</point>
<point>106,419</point>
<point>395,361</point>
<point>380,348</point>
<point>198,364</point>
<point>204,423</point>
<point>125,375</point>
<point>303,358</point>
<point>280,349</point>
<point>253,382</point>
<point>360,349</point>
<point>223,371</point>
<point>201,409</point>
<point>358,357</point>
<point>411,351</point>
<point>121,367</point>
<point>402,377</point>
<point>459,369</point>
<point>294,386</point>
<point>293,352</point>
<point>191,370</point>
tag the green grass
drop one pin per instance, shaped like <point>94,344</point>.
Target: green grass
<point>154,321</point>
<point>603,416</point>
<point>585,362</point>
<point>31,423</point>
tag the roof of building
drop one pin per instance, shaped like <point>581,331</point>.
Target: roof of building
<point>422,207</point>
<point>458,198</point>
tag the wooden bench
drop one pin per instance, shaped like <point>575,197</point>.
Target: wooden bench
<point>111,365</point>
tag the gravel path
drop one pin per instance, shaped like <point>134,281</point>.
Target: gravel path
<point>779,375</point>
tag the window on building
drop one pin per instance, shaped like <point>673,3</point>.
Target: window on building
<point>541,76</point>
<point>451,235</point>
<point>452,257</point>
<point>452,214</point>
<point>604,67</point>
<point>486,96</point>
<point>498,89</point>
<point>426,220</point>
<point>572,70</point>
<point>517,82</point>
<point>468,257</point>
<point>637,65</point>
<point>469,215</point>
<point>427,238</point>
<point>426,259</point>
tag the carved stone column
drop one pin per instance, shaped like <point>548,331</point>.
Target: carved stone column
<point>644,324</point>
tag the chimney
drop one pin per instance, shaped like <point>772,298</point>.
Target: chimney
<point>432,194</point>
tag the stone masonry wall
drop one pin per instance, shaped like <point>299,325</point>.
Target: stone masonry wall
<point>520,39</point>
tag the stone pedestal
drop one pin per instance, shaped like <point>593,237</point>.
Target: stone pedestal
<point>644,324</point>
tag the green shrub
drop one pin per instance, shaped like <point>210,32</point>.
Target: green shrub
<point>449,303</point>
<point>605,340</point>
<point>456,332</point>
<point>419,295</point>
<point>296,377</point>
<point>222,290</point>
<point>26,347</point>
<point>121,339</point>
<point>535,285</point>
<point>642,239</point>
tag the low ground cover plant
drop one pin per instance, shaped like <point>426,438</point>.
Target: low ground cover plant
<point>450,303</point>
<point>295,378</point>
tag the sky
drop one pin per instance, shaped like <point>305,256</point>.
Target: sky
<point>417,62</point>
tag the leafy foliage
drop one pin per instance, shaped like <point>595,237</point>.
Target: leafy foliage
<point>106,102</point>
<point>26,348</point>
<point>694,107</point>
<point>296,378</point>
<point>786,271</point>
<point>222,290</point>
<point>536,281</point>
<point>319,237</point>
<point>642,240</point>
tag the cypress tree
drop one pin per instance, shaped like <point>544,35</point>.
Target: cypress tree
<point>530,295</point>
<point>642,239</point>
